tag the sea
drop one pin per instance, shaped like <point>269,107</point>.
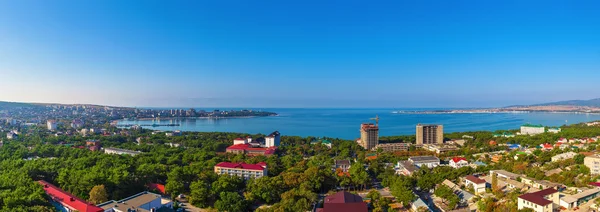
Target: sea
<point>345,123</point>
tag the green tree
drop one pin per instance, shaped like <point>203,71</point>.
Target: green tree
<point>231,201</point>
<point>98,194</point>
<point>199,194</point>
<point>266,189</point>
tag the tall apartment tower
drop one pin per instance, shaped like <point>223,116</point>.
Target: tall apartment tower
<point>430,134</point>
<point>369,136</point>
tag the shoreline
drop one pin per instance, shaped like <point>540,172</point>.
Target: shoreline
<point>175,118</point>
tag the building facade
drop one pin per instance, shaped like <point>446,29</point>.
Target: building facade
<point>52,125</point>
<point>428,161</point>
<point>243,170</point>
<point>592,162</point>
<point>458,162</point>
<point>542,201</point>
<point>531,129</point>
<point>121,151</point>
<point>369,136</point>
<point>67,202</point>
<point>393,147</point>
<point>430,134</point>
<point>273,139</point>
<point>144,201</point>
<point>477,184</point>
<point>344,165</point>
<point>563,156</point>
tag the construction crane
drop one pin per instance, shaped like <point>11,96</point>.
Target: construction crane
<point>376,120</point>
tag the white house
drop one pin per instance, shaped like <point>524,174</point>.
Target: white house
<point>458,162</point>
<point>554,130</point>
<point>428,161</point>
<point>273,139</point>
<point>477,184</point>
<point>51,125</point>
<point>542,201</point>
<point>563,156</point>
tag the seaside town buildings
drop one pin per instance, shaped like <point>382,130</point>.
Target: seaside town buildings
<point>254,147</point>
<point>563,156</point>
<point>343,165</point>
<point>430,134</point>
<point>273,139</point>
<point>530,129</point>
<point>110,150</point>
<point>243,170</point>
<point>476,183</point>
<point>369,136</point>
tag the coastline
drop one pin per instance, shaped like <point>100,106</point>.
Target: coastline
<point>178,118</point>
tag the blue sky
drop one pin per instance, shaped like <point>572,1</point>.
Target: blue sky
<point>299,53</point>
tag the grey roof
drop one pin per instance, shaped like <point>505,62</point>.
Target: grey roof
<point>506,173</point>
<point>135,201</point>
<point>586,193</point>
<point>420,203</point>
<point>424,159</point>
<point>408,166</point>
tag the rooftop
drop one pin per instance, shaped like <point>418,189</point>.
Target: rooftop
<point>475,179</point>
<point>576,197</point>
<point>421,159</point>
<point>342,162</point>
<point>240,166</point>
<point>343,202</point>
<point>137,201</point>
<point>532,125</point>
<point>457,159</point>
<point>68,199</point>
<point>538,197</point>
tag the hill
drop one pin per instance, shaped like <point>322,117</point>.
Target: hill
<point>582,103</point>
<point>9,105</point>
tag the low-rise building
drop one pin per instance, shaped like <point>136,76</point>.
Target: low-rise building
<point>440,148</point>
<point>273,139</point>
<point>458,162</point>
<point>52,125</point>
<point>243,170</point>
<point>497,158</point>
<point>66,201</point>
<point>141,202</point>
<point>11,135</point>
<point>592,162</point>
<point>405,168</point>
<point>505,174</point>
<point>428,161</point>
<point>343,201</point>
<point>321,141</point>
<point>542,201</point>
<point>110,150</point>
<point>248,149</point>
<point>554,130</point>
<point>393,147</point>
<point>93,145</point>
<point>343,165</point>
<point>572,201</point>
<point>563,156</point>
<point>477,184</point>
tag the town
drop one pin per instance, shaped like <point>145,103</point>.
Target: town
<point>82,165</point>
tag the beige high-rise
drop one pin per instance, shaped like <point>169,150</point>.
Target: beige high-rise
<point>430,134</point>
<point>369,136</point>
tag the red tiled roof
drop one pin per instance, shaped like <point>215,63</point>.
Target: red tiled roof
<point>538,197</point>
<point>239,146</point>
<point>344,202</point>
<point>475,179</point>
<point>67,199</point>
<point>158,187</point>
<point>547,146</point>
<point>457,159</point>
<point>240,166</point>
<point>595,184</point>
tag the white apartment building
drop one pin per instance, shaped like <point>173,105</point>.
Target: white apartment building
<point>52,125</point>
<point>118,151</point>
<point>592,162</point>
<point>243,170</point>
<point>563,156</point>
<point>530,129</point>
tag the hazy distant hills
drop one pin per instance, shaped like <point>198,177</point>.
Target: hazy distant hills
<point>583,103</point>
<point>9,105</point>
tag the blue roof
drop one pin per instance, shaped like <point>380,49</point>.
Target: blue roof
<point>479,163</point>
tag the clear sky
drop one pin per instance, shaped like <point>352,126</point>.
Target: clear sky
<point>273,53</point>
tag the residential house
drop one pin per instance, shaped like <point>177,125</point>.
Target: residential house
<point>343,201</point>
<point>419,204</point>
<point>477,184</point>
<point>66,201</point>
<point>243,170</point>
<point>563,156</point>
<point>343,165</point>
<point>405,168</point>
<point>249,150</point>
<point>141,202</point>
<point>93,145</point>
<point>505,174</point>
<point>542,201</point>
<point>458,162</point>
<point>497,158</point>
<point>321,141</point>
<point>546,147</point>
<point>553,171</point>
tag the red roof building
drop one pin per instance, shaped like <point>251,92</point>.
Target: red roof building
<point>343,202</point>
<point>458,162</point>
<point>542,199</point>
<point>67,200</point>
<point>249,150</point>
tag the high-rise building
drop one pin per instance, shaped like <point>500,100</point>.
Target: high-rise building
<point>430,134</point>
<point>369,136</point>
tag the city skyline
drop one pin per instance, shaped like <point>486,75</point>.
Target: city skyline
<point>309,54</point>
